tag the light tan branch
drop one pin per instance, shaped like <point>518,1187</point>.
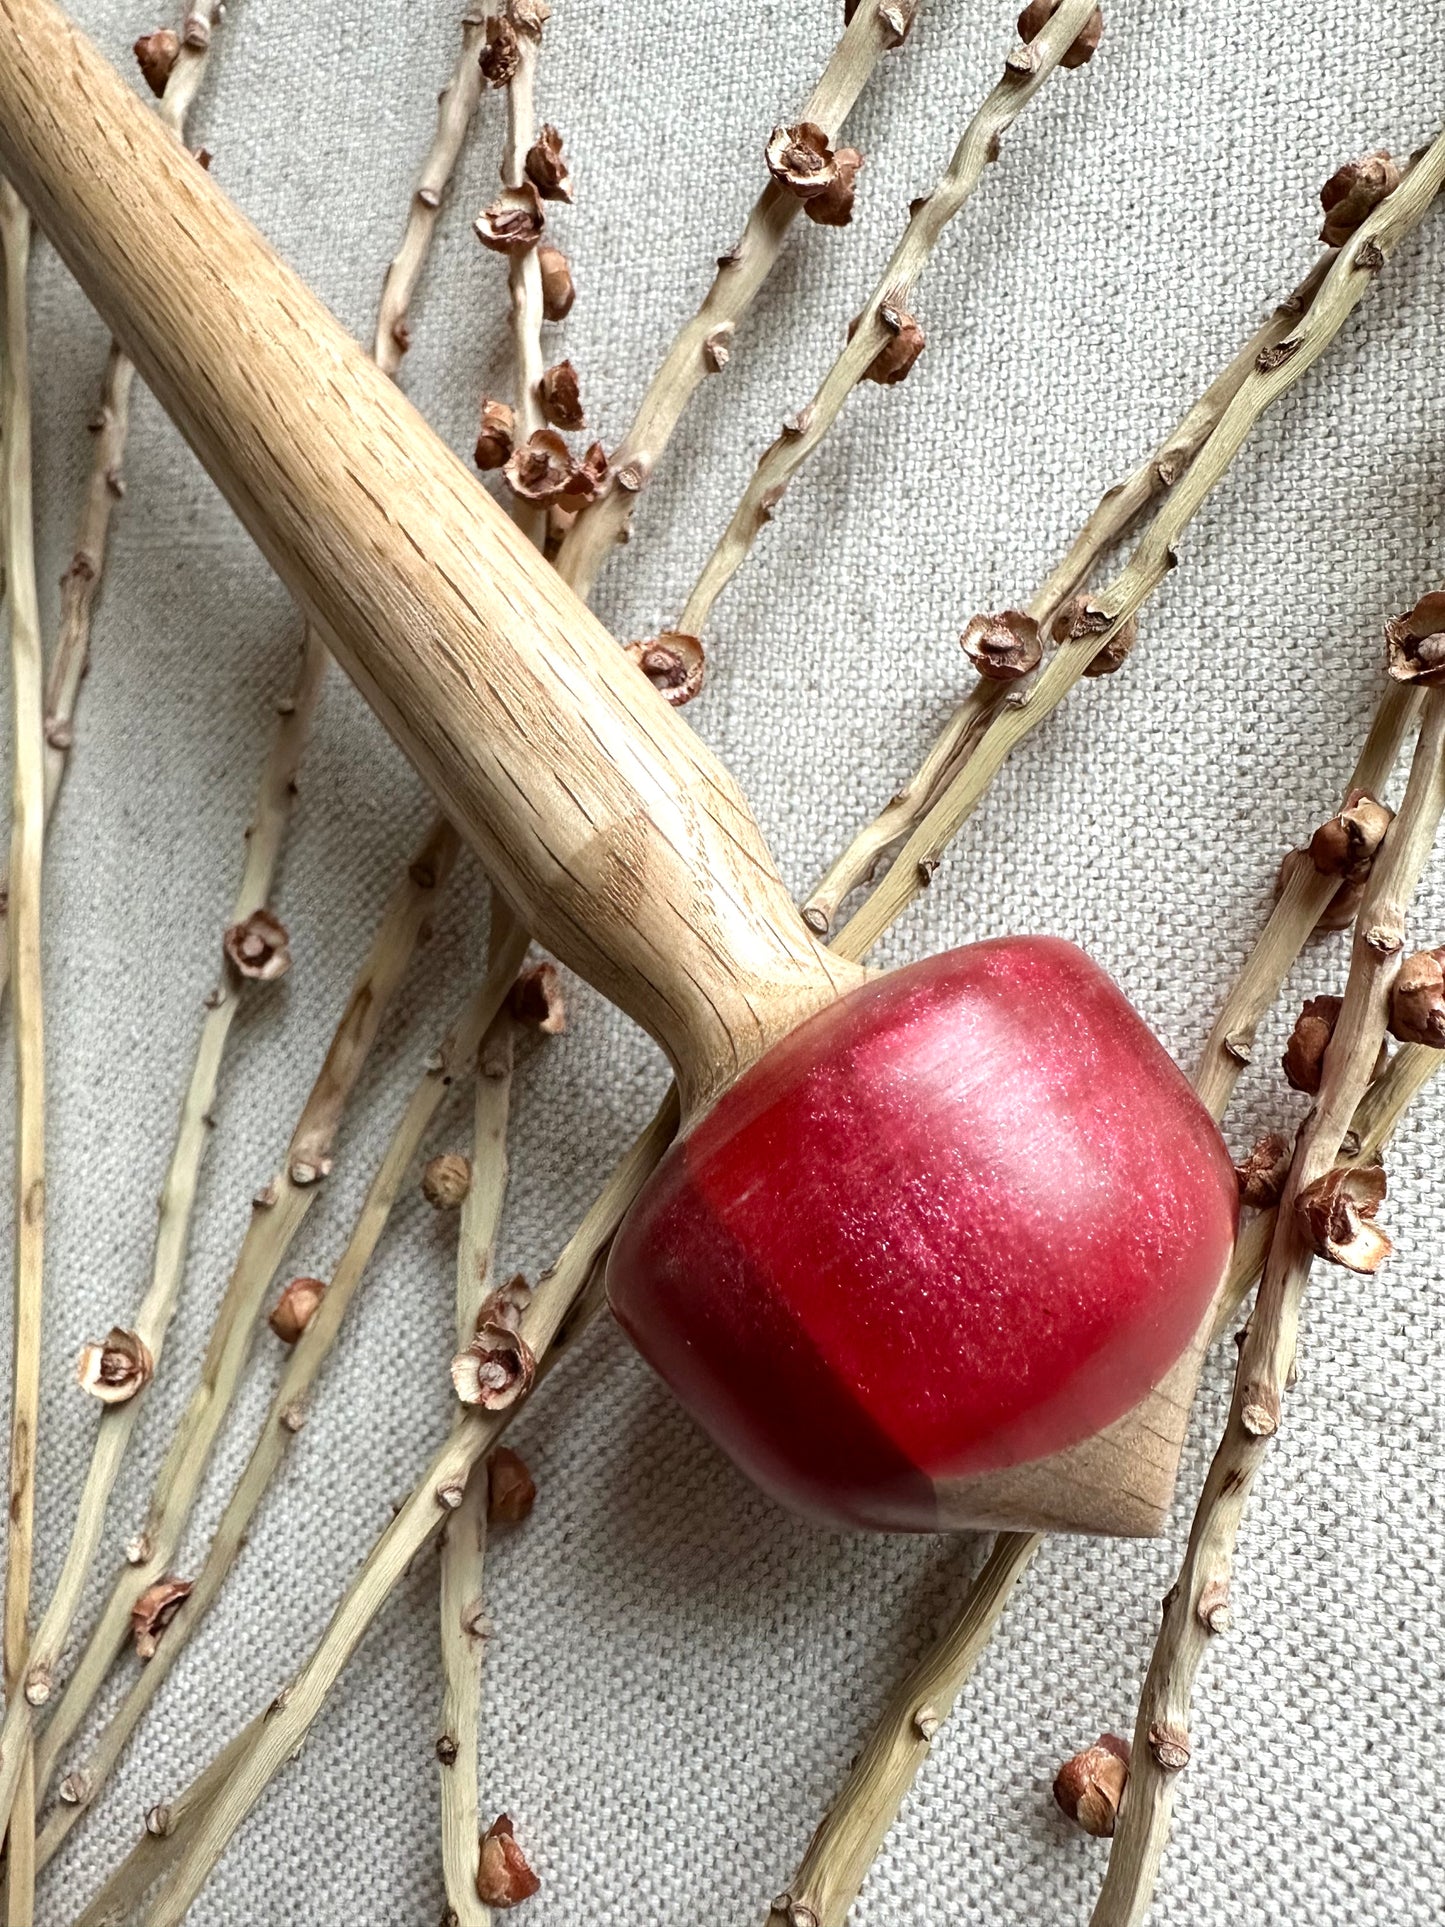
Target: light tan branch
<point>1026,71</point>
<point>430,1502</point>
<point>287,1412</point>
<point>27,845</point>
<point>1276,371</point>
<point>277,1217</point>
<point>1117,514</point>
<point>110,424</point>
<point>840,1853</point>
<point>464,1537</point>
<point>876,26</point>
<point>1197,1604</point>
<point>456,106</point>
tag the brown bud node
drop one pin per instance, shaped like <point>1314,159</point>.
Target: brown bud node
<point>1213,1607</point>
<point>295,1308</point>
<point>117,1368</point>
<point>834,206</point>
<point>259,947</point>
<point>1415,642</point>
<point>511,1489</point>
<point>154,1611</point>
<point>1089,1787</point>
<point>536,999</point>
<point>561,397</point>
<point>1004,646</point>
<point>1304,1055</point>
<point>546,167</point>
<point>513,223</point>
<point>1417,1002</point>
<point>1169,1746</point>
<point>1037,15</point>
<point>558,293</point>
<point>1345,845</point>
<point>673,663</point>
<point>1353,192</point>
<point>156,54</point>
<point>1079,618</point>
<point>898,354</point>
<point>446,1180</point>
<point>1337,1214</point>
<point>497,1367</point>
<point>1262,1174</point>
<point>529,16</point>
<point>495,438</point>
<point>504,1875</point>
<point>801,160</point>
<point>501,56</point>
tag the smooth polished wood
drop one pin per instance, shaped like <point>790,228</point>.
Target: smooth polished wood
<point>616,836</point>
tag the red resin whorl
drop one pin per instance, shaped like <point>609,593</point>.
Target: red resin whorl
<point>961,1220</point>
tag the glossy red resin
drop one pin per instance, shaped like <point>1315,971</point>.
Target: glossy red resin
<point>962,1219</point>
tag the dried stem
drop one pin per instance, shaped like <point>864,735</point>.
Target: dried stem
<point>1275,372</point>
<point>153,1316</point>
<point>1161,1745</point>
<point>843,1848</point>
<point>292,1711</point>
<point>1301,903</point>
<point>1117,514</point>
<point>168,1826</point>
<point>265,839</point>
<point>524,276</point>
<point>464,1538</point>
<point>876,26</point>
<point>288,1408</point>
<point>456,106</point>
<point>27,845</point>
<point>275,1221</point>
<point>110,424</point>
<point>1025,73</point>
<point>840,1853</point>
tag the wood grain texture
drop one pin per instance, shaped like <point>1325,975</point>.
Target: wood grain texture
<point>616,836</point>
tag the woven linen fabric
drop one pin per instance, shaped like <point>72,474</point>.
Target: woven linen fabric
<point>680,1673</point>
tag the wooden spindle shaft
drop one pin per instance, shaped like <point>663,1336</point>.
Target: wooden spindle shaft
<point>619,839</point>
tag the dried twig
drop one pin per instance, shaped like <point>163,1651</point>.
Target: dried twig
<point>27,845</point>
<point>524,275</point>
<point>464,1538</point>
<point>887,308</point>
<point>1275,371</point>
<point>840,1853</point>
<point>279,1211</point>
<point>265,839</point>
<point>110,424</point>
<point>1117,514</point>
<point>431,1501</point>
<point>456,106</point>
<point>851,1833</point>
<point>287,1412</point>
<point>705,341</point>
<point>1195,1606</point>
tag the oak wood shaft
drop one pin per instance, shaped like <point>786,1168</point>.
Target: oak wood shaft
<point>618,838</point>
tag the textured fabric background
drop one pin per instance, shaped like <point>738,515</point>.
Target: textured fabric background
<point>681,1673</point>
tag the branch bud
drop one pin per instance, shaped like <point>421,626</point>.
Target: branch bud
<point>1353,192</point>
<point>1337,1213</point>
<point>1417,1002</point>
<point>1415,642</point>
<point>673,663</point>
<point>1037,15</point>
<point>1089,1787</point>
<point>156,54</point>
<point>1003,647</point>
